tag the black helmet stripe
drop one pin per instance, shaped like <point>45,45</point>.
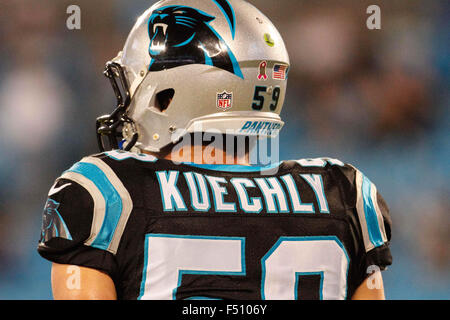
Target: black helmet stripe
<point>228,11</point>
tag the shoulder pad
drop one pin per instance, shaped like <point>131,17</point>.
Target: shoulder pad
<point>112,201</point>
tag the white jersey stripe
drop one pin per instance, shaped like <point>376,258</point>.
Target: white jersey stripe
<point>99,202</point>
<point>373,232</point>
<point>127,203</point>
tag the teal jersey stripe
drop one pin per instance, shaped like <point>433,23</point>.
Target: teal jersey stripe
<point>112,198</point>
<point>371,214</point>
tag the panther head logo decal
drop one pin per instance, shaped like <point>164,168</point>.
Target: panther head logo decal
<point>52,223</point>
<point>181,35</point>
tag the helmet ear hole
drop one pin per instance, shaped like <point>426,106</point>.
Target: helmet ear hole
<point>163,99</point>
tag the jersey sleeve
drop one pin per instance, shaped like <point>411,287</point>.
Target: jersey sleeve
<point>85,216</point>
<point>370,217</point>
<point>374,221</point>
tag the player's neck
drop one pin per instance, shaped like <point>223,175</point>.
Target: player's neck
<point>204,155</point>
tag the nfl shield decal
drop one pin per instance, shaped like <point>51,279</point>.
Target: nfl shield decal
<point>225,100</point>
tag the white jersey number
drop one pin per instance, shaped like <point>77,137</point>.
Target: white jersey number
<point>169,257</point>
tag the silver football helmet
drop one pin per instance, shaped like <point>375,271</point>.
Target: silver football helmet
<point>196,66</point>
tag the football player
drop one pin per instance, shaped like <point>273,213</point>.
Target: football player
<point>146,219</point>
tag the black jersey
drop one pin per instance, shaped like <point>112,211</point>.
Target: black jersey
<point>305,229</point>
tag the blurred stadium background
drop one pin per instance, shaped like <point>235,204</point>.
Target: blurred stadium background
<point>376,99</point>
